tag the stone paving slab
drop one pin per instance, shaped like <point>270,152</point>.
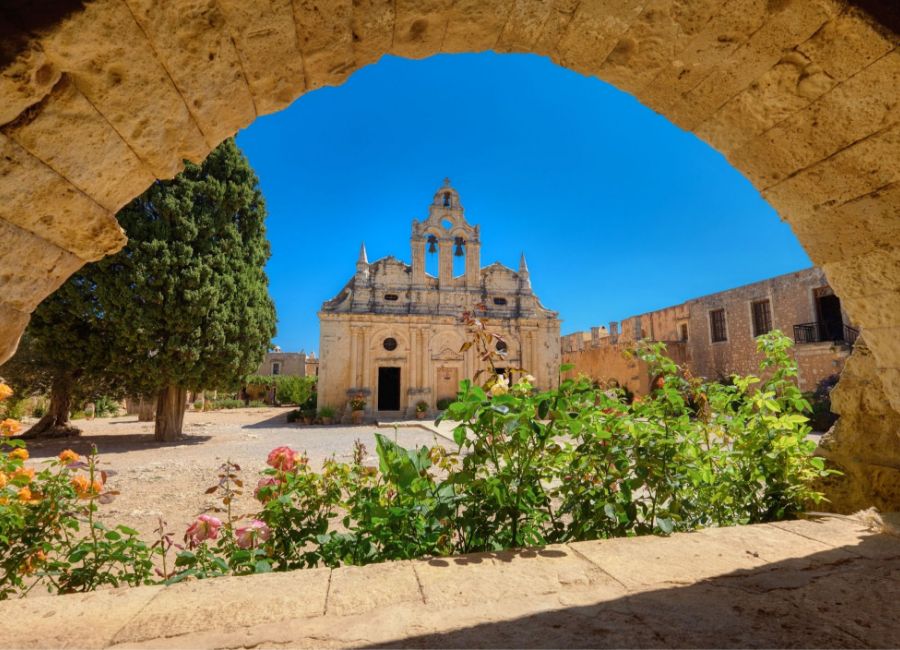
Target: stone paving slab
<point>828,583</point>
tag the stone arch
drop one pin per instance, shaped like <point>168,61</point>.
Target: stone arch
<point>101,98</point>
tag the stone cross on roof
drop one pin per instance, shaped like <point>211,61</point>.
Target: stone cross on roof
<point>446,181</point>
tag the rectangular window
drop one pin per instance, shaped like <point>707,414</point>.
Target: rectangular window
<point>762,317</point>
<point>276,368</point>
<point>717,325</point>
<point>684,333</point>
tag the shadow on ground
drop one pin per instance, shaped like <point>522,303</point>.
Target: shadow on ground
<point>106,444</point>
<point>847,597</point>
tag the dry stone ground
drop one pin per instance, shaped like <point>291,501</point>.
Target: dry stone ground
<point>169,480</point>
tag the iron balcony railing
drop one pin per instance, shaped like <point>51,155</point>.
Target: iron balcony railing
<point>824,333</point>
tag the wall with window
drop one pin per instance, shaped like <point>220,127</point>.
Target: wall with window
<point>715,335</point>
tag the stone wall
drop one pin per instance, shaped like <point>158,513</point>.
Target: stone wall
<point>791,301</point>
<point>290,363</point>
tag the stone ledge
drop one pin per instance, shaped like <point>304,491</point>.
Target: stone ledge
<point>790,583</point>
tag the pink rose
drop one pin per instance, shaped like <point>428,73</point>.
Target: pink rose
<point>206,527</point>
<point>249,536</point>
<point>261,492</point>
<point>285,458</point>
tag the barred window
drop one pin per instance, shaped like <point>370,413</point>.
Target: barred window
<point>762,317</point>
<point>717,325</point>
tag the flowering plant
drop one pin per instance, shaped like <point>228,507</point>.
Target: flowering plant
<point>357,402</point>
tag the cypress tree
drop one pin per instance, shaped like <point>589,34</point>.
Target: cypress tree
<point>188,296</point>
<point>185,305</point>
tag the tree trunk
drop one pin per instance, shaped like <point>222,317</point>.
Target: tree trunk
<point>146,410</point>
<point>55,423</point>
<point>170,413</point>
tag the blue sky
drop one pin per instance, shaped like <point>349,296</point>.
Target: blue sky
<point>618,211</point>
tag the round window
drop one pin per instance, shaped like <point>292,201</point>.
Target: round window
<point>501,346</point>
<point>390,344</point>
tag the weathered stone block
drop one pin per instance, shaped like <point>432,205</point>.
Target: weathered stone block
<point>324,37</point>
<point>12,324</point>
<point>372,29</point>
<point>729,28</point>
<point>876,311</point>
<point>113,65</point>
<point>31,268</point>
<point>847,43</point>
<point>787,27</point>
<point>191,39</point>
<point>496,577</point>
<point>867,275</point>
<point>683,558</point>
<point>475,25</point>
<point>419,27</point>
<point>356,590</point>
<point>862,105</point>
<point>779,93</point>
<point>646,48</point>
<point>27,79</point>
<point>592,31</point>
<point>225,603</point>
<point>524,25</point>
<point>41,201</point>
<point>864,167</point>
<point>265,35</point>
<point>91,154</point>
<point>87,620</point>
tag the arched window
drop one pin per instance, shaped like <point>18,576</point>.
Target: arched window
<point>446,199</point>
<point>432,256</point>
<point>459,257</point>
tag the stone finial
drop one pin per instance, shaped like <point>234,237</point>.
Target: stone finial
<point>363,257</point>
<point>446,181</point>
<point>524,277</point>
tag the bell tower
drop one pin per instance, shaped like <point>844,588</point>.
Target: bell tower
<point>447,234</point>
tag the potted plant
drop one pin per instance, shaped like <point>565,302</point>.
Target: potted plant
<point>421,409</point>
<point>444,402</point>
<point>309,415</point>
<point>357,408</point>
<point>327,414</point>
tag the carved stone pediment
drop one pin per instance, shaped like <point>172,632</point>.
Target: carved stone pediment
<point>446,354</point>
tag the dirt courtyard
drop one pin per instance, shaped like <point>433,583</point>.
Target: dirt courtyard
<point>168,480</point>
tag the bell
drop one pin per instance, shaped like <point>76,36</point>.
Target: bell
<point>432,240</point>
<point>459,244</point>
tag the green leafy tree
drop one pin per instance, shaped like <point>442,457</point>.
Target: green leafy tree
<point>64,353</point>
<point>186,302</point>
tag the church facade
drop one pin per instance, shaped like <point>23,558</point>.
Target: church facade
<point>393,334</point>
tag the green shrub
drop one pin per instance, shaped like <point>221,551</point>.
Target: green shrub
<point>294,390</point>
<point>105,407</point>
<point>421,406</point>
<point>326,412</point>
<point>227,403</point>
<point>294,415</point>
<point>443,403</point>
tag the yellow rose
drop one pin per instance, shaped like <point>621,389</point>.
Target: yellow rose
<point>9,427</point>
<point>20,453</point>
<point>68,456</point>
<point>27,472</point>
<point>3,480</point>
<point>5,391</point>
<point>24,495</point>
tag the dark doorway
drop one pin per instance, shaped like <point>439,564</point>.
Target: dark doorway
<point>830,319</point>
<point>389,389</point>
